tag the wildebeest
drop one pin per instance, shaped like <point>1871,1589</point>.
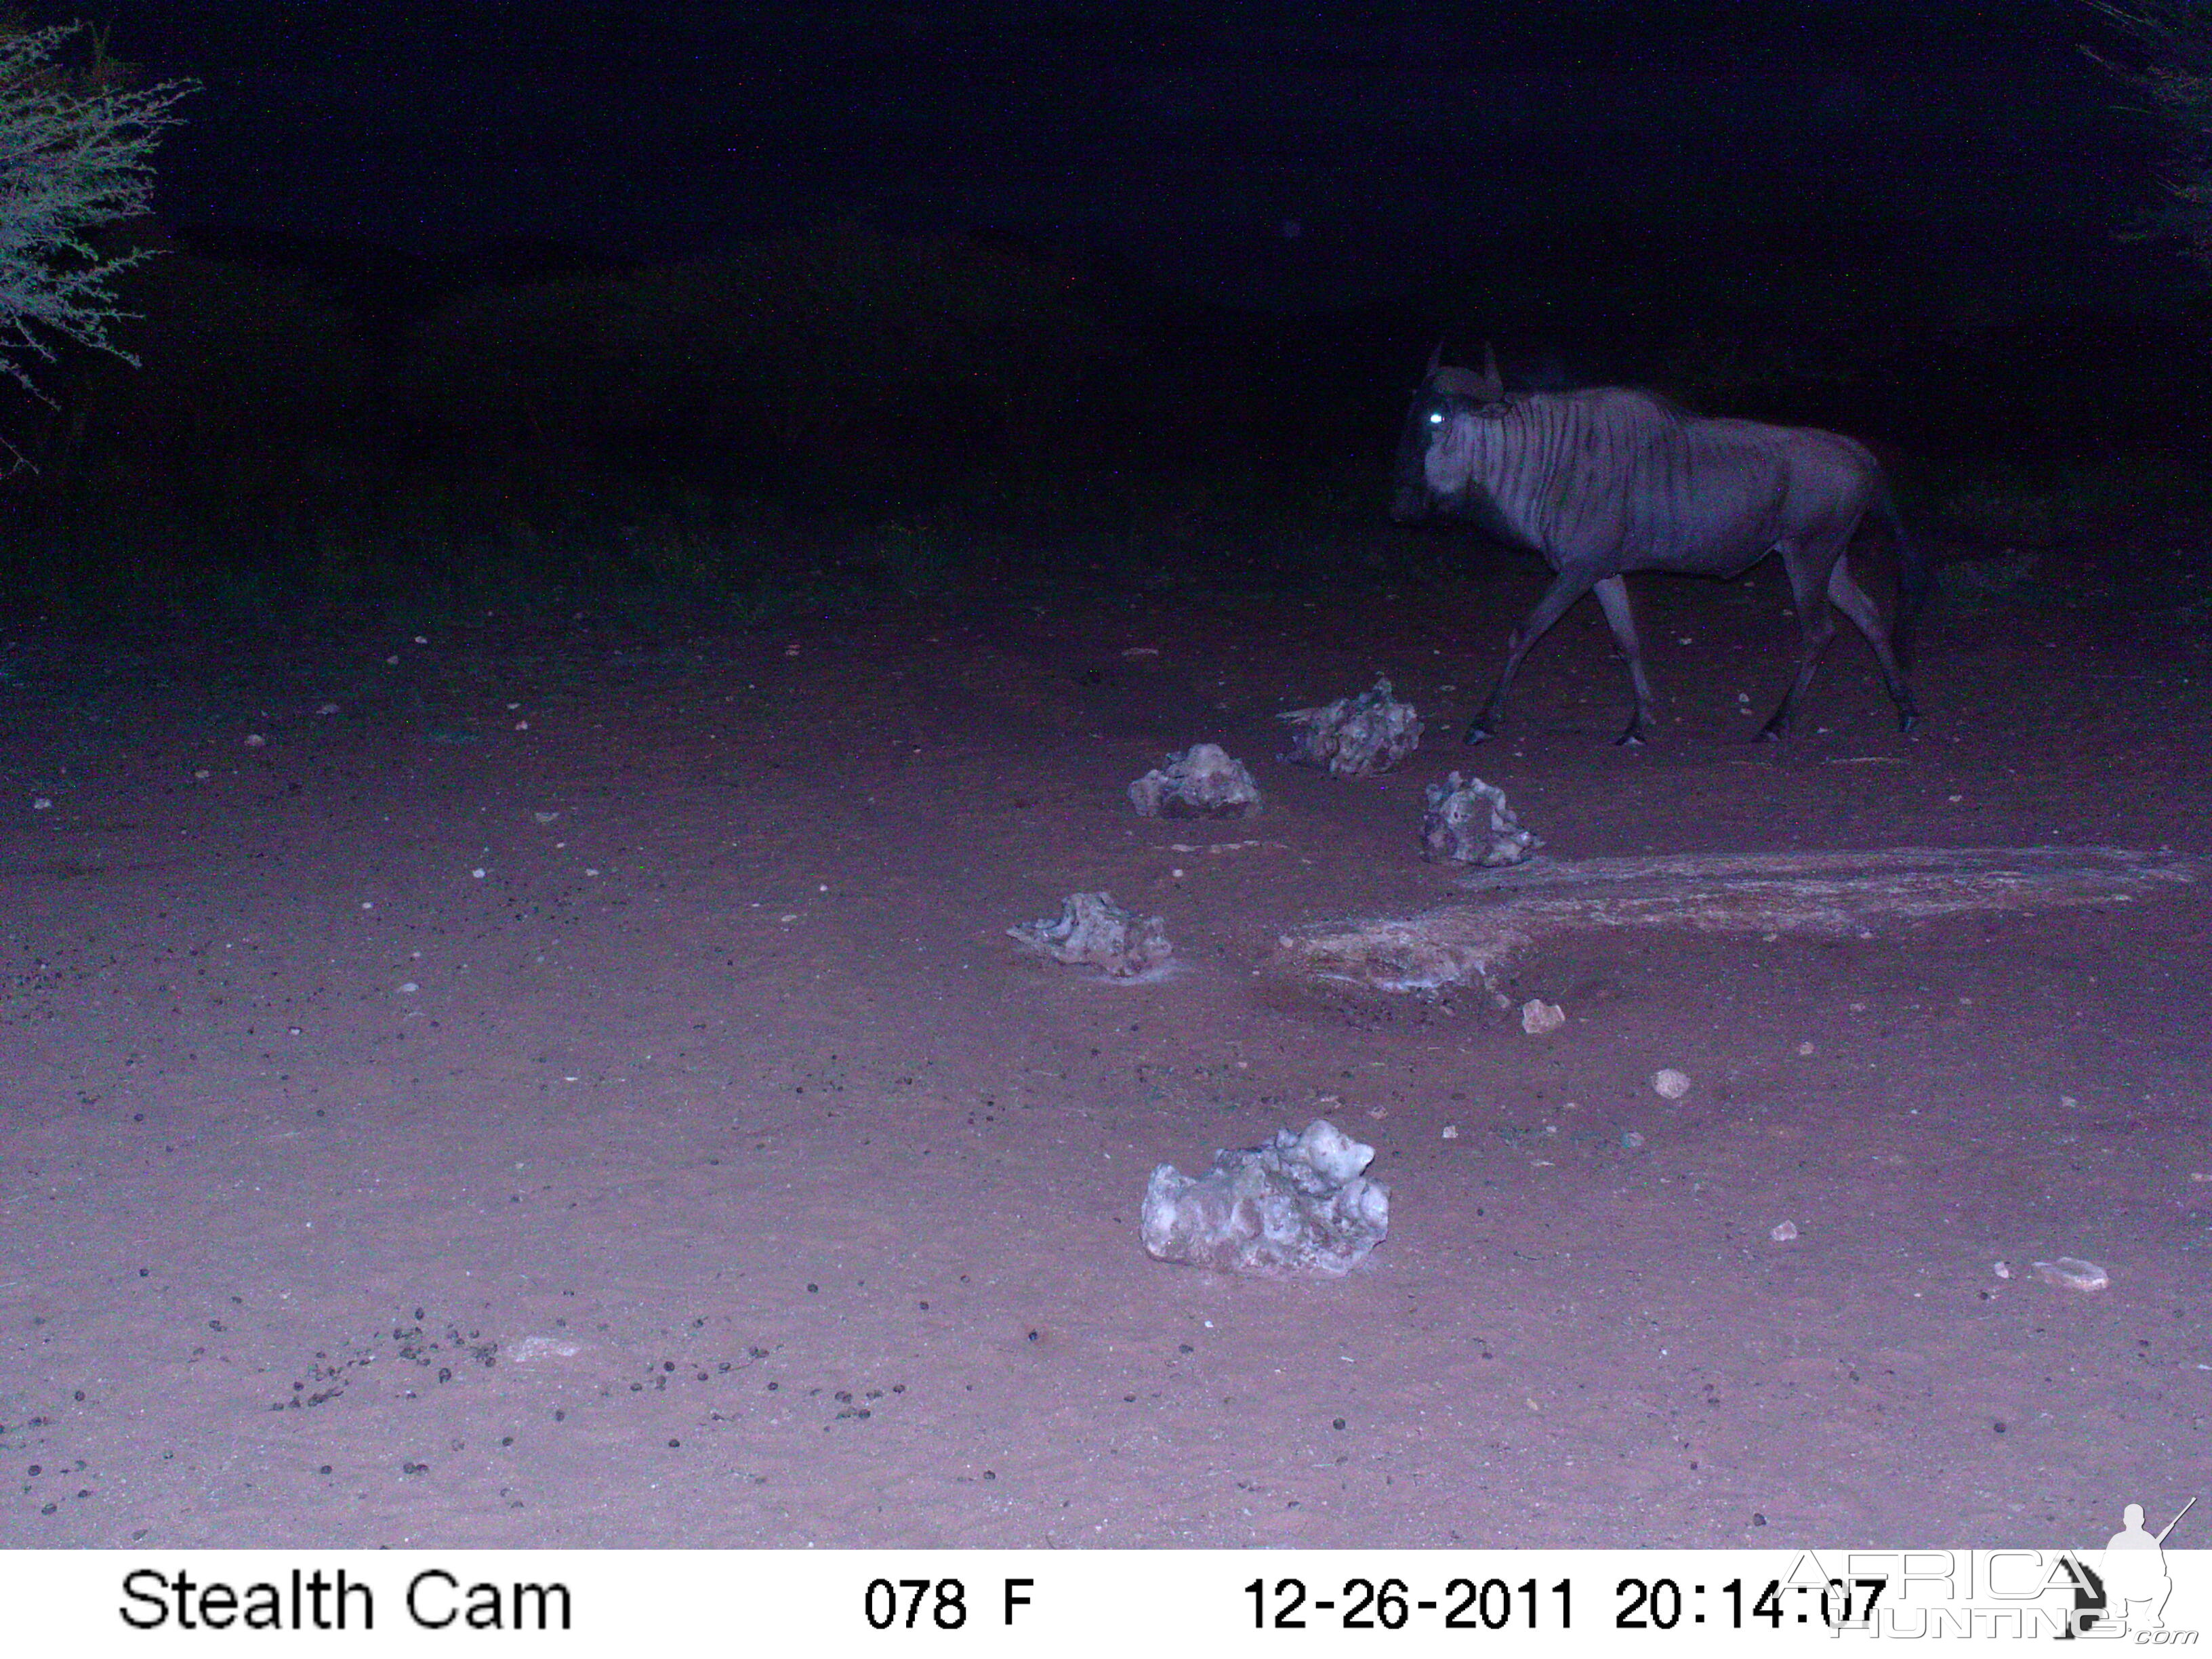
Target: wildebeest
<point>1606,481</point>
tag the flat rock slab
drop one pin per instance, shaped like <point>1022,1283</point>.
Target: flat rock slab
<point>1827,894</point>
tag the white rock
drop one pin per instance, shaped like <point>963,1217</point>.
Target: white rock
<point>1203,782</point>
<point>1468,822</point>
<point>1299,1203</point>
<point>1671,1084</point>
<point>1539,1017</point>
<point>2071,1272</point>
<point>1093,930</point>
<point>1354,737</point>
<point>535,1350</point>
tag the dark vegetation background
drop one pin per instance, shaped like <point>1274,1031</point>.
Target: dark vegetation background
<point>841,406</point>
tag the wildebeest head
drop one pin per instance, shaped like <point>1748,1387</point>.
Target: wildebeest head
<point>1444,388</point>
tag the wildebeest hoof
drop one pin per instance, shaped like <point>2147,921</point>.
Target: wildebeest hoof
<point>1476,733</point>
<point>1631,738</point>
<point>1908,720</point>
<point>1770,732</point>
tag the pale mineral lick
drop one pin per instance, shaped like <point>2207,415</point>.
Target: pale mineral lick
<point>1469,822</point>
<point>1095,932</point>
<point>1299,1203</point>
<point>1354,737</point>
<point>1203,782</point>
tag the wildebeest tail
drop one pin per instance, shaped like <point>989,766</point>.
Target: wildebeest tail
<point>1916,580</point>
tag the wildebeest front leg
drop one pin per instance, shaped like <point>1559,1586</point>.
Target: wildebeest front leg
<point>1563,592</point>
<point>1808,585</point>
<point>1612,594</point>
<point>1851,599</point>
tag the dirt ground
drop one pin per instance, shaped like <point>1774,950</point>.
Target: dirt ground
<point>531,1087</point>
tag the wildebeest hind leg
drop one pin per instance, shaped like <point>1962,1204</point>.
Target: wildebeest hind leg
<point>1562,593</point>
<point>1808,585</point>
<point>1851,599</point>
<point>1612,594</point>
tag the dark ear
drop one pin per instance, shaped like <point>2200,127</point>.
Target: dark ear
<point>1493,382</point>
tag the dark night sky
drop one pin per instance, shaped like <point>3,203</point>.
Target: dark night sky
<point>1271,153</point>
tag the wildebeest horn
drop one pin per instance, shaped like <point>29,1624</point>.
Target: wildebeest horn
<point>1487,387</point>
<point>1435,360</point>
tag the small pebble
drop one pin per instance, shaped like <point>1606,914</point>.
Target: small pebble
<point>1671,1084</point>
<point>1631,1139</point>
<point>1782,1232</point>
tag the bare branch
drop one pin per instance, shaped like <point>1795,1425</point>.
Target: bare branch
<point>2171,48</point>
<point>76,154</point>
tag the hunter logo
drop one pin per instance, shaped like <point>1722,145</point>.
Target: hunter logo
<point>2131,1585</point>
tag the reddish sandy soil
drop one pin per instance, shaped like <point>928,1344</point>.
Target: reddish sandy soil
<point>579,1092</point>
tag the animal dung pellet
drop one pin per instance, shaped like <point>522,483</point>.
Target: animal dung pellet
<point>1203,782</point>
<point>2070,1272</point>
<point>1092,931</point>
<point>1538,1017</point>
<point>1300,1203</point>
<point>1354,737</point>
<point>1468,821</point>
<point>1670,1084</point>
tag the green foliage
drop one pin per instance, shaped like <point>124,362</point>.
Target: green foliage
<point>839,343</point>
<point>816,424</point>
<point>1970,585</point>
<point>2170,66</point>
<point>1993,507</point>
<point>291,453</point>
<point>234,354</point>
<point>76,150</point>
